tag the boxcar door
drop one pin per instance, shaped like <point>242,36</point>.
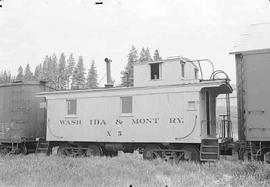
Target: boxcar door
<point>256,96</point>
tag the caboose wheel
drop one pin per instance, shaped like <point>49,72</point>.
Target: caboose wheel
<point>149,154</point>
<point>93,150</point>
<point>63,150</point>
<point>194,153</point>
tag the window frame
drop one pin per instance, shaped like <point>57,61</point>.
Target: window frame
<point>191,105</point>
<point>121,106</point>
<point>67,109</point>
<point>182,69</point>
<point>196,73</point>
<point>159,70</point>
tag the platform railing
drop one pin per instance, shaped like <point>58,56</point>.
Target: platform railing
<point>224,128</point>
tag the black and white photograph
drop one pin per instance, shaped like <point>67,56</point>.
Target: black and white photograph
<point>126,93</point>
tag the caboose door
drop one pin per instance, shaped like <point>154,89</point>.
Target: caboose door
<point>208,123</point>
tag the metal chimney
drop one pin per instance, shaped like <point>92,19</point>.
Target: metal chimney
<point>109,79</point>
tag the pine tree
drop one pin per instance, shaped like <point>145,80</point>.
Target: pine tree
<point>1,77</point>
<point>69,69</point>
<point>92,81</point>
<point>148,55</point>
<point>145,55</point>
<point>62,72</point>
<point>45,69</point>
<point>38,72</point>
<point>20,74</point>
<point>53,75</point>
<point>142,55</point>
<point>78,78</point>
<point>156,56</point>
<point>127,74</point>
<point>7,77</point>
<point>28,75</point>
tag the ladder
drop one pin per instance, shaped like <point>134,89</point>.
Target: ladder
<point>209,150</point>
<point>42,146</point>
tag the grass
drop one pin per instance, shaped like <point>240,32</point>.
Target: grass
<point>126,170</point>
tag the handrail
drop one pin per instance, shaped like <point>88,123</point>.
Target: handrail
<point>199,64</point>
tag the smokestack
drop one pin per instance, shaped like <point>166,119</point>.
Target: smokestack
<point>108,67</point>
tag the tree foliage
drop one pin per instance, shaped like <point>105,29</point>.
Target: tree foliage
<point>78,77</point>
<point>127,75</point>
<point>6,77</point>
<point>145,55</point>
<point>38,72</point>
<point>20,74</point>
<point>92,77</point>
<point>62,77</point>
<point>28,75</point>
<point>53,72</point>
<point>156,56</point>
<point>69,69</point>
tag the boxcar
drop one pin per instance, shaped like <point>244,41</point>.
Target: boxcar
<point>252,57</point>
<point>22,116</point>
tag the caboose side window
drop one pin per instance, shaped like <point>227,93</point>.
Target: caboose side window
<point>155,71</point>
<point>71,106</point>
<point>126,105</point>
<point>183,69</point>
<point>196,73</point>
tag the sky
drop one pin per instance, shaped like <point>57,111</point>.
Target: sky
<point>32,29</point>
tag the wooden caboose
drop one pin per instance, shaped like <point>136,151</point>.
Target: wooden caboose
<point>169,112</point>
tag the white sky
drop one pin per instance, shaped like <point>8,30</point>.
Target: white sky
<point>31,29</point>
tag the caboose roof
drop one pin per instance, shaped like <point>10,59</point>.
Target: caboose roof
<point>20,83</point>
<point>185,87</point>
<point>254,39</point>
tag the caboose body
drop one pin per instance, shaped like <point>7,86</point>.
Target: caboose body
<point>173,116</point>
<point>167,114</point>
<point>22,116</point>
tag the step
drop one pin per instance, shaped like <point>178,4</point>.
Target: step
<point>210,142</point>
<point>209,153</point>
<point>210,146</point>
<point>43,143</point>
<point>210,149</point>
<point>209,160</point>
<point>42,149</point>
<point>214,156</point>
<point>42,146</point>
